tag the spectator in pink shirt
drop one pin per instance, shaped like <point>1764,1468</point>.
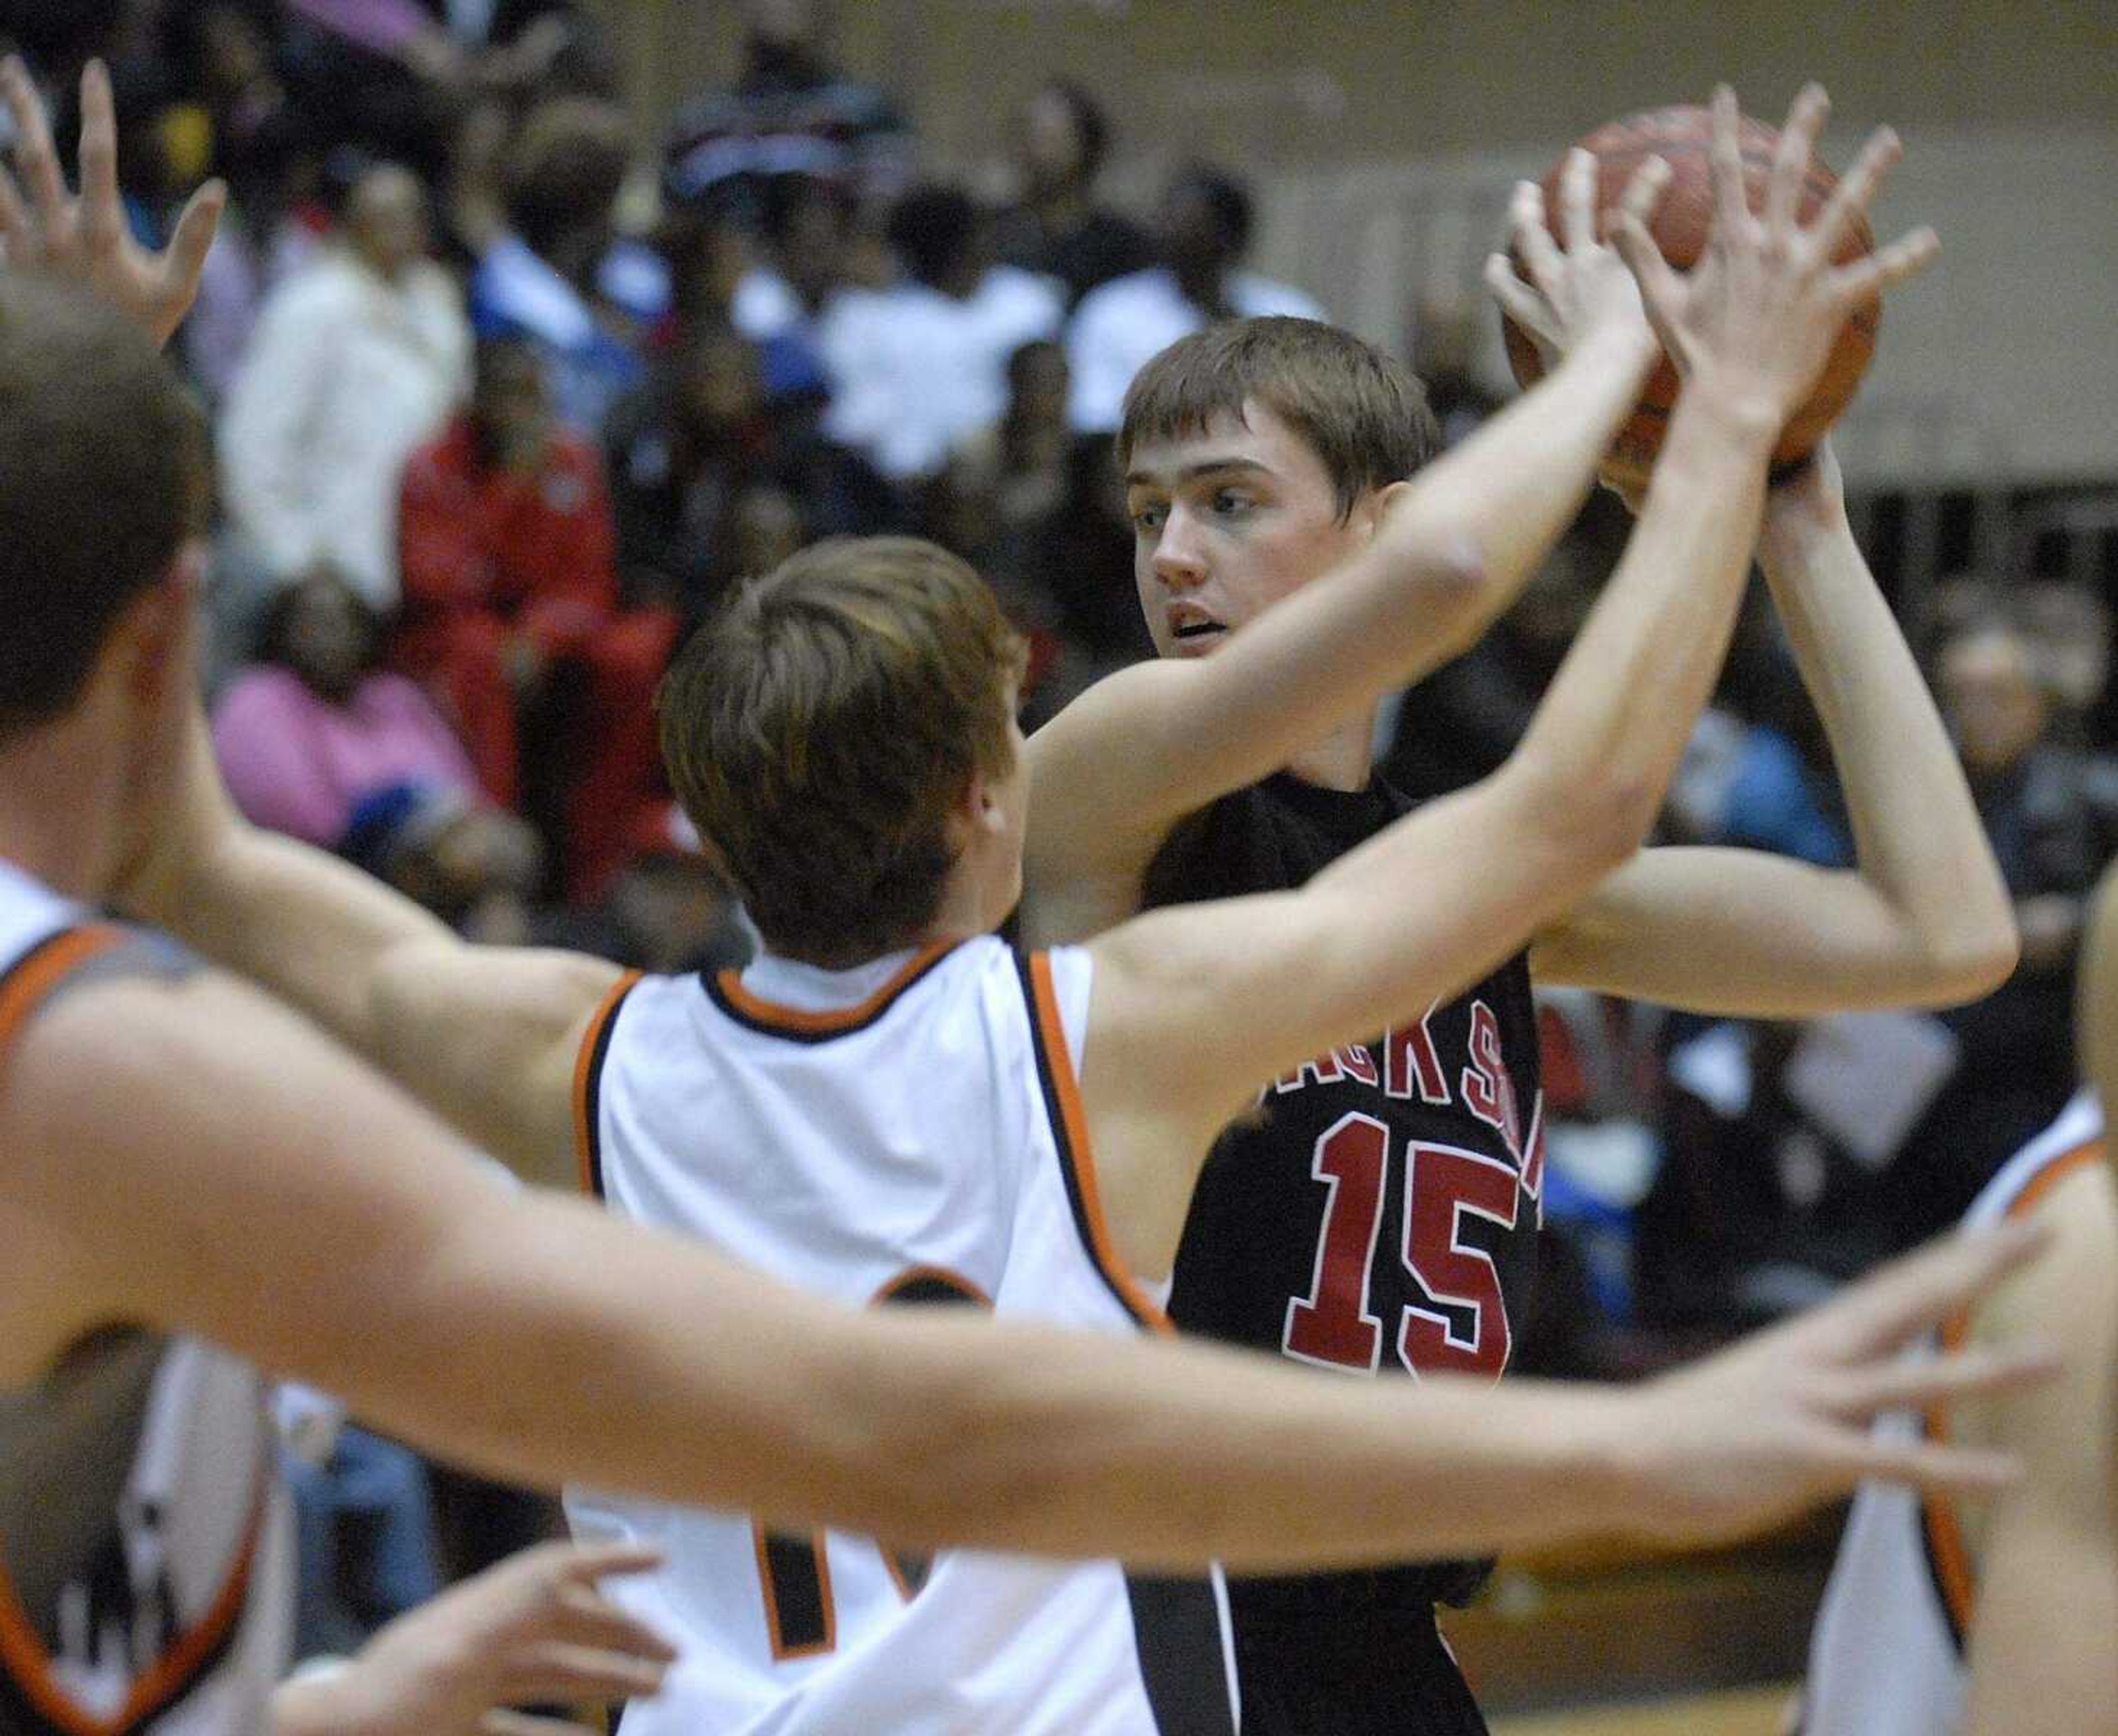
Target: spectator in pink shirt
<point>318,723</point>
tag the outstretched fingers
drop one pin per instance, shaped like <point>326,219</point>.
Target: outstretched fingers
<point>555,1671</point>
<point>1856,1395</point>
<point>1905,257</point>
<point>18,240</point>
<point>1519,302</point>
<point>1850,199</point>
<point>98,153</point>
<point>184,259</point>
<point>1791,157</point>
<point>1662,290</point>
<point>1930,1465</point>
<point>35,156</point>
<point>1540,254</point>
<point>1916,1293</point>
<point>1577,200</point>
<point>1731,207</point>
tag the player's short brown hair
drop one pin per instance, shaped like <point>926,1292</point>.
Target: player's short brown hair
<point>1364,414</point>
<point>821,725</point>
<point>103,476</point>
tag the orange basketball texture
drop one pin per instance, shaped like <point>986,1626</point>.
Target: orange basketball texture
<point>1684,137</point>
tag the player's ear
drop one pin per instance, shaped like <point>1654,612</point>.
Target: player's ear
<point>153,636</point>
<point>1375,505</point>
<point>967,815</point>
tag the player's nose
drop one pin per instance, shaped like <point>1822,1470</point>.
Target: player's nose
<point>1178,562</point>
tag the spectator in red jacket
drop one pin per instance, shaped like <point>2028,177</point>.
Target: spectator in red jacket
<point>511,612</point>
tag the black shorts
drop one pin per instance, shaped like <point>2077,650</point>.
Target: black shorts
<point>1360,1672</point>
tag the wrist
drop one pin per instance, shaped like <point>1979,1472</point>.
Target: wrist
<point>1793,537</point>
<point>1629,348</point>
<point>1739,421</point>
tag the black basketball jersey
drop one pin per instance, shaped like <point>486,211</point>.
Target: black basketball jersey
<point>1377,1212</point>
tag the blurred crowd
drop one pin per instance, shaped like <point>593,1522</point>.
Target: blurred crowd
<point>504,399</point>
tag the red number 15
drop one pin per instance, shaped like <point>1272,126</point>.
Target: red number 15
<point>1335,1325</point>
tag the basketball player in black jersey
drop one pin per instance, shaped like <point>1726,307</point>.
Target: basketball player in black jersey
<point>1378,1214</point>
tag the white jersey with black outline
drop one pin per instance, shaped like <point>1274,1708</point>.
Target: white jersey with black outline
<point>907,1132</point>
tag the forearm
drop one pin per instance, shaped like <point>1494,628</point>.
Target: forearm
<point>1619,713</point>
<point>311,928</point>
<point>1025,1437</point>
<point>1917,838</point>
<point>1515,485</point>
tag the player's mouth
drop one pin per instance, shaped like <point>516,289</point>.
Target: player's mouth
<point>1194,632</point>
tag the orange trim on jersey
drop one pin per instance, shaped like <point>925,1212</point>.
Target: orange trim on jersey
<point>43,968</point>
<point>1954,1570</point>
<point>585,1065</point>
<point>781,1651</point>
<point>1076,1151</point>
<point>840,1018</point>
<point>30,1665</point>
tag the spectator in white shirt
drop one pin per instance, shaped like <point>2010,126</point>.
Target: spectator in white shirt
<point>917,366</point>
<point>1204,228</point>
<point>356,359</point>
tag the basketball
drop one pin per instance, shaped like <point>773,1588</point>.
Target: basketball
<point>1684,137</point>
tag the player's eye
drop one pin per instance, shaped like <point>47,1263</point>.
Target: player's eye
<point>1230,503</point>
<point>1147,515</point>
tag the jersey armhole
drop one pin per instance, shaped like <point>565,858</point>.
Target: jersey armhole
<point>588,1084</point>
<point>71,957</point>
<point>1055,1046</point>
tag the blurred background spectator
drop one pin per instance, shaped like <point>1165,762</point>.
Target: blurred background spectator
<point>710,475</point>
<point>1054,225</point>
<point>918,365</point>
<point>557,275</point>
<point>1202,231</point>
<point>317,723</point>
<point>511,613</point>
<point>356,359</point>
<point>790,110</point>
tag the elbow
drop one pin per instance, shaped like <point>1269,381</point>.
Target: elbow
<point>1969,966</point>
<point>1452,585</point>
<point>1592,818</point>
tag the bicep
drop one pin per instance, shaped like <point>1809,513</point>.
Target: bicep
<point>1108,778</point>
<point>1733,931</point>
<point>193,1155</point>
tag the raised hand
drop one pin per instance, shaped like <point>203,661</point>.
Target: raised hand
<point>1584,286</point>
<point>1781,1421</point>
<point>86,236</point>
<point>533,1630</point>
<point>1755,318</point>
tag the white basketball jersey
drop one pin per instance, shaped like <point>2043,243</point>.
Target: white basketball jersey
<point>1887,1658</point>
<point>145,1584</point>
<point>909,1132</point>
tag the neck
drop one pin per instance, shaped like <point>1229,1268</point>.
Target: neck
<point>1342,760</point>
<point>58,811</point>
